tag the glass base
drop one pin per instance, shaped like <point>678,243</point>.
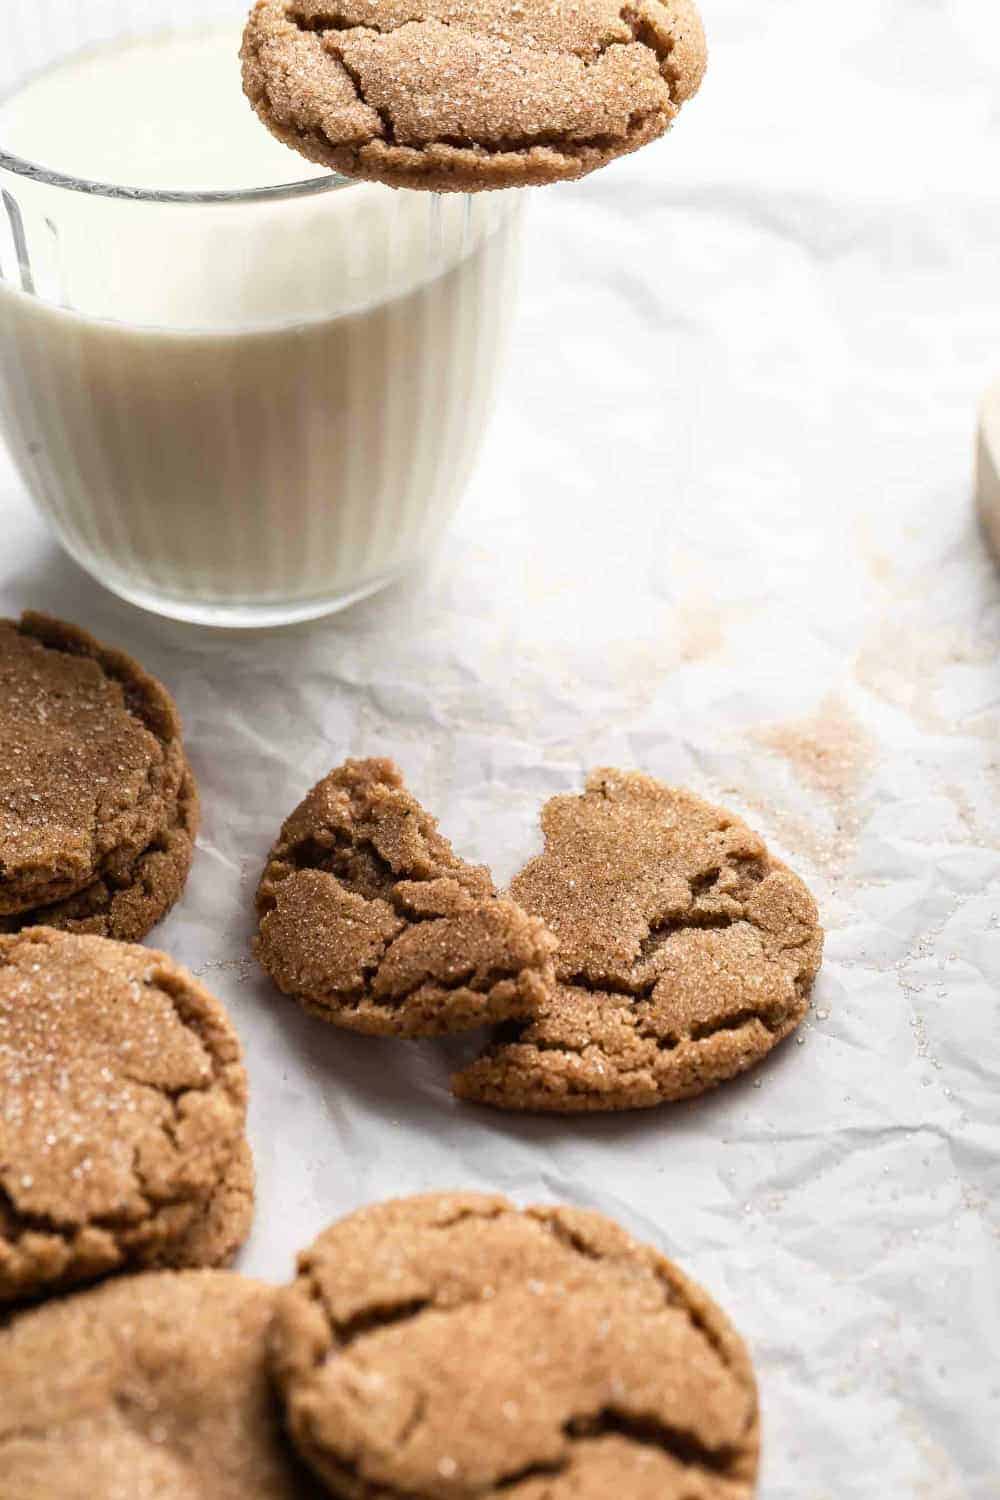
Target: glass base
<point>246,616</point>
<point>249,616</point>
<point>239,615</point>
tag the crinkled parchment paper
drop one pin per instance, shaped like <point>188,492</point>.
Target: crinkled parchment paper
<point>722,531</point>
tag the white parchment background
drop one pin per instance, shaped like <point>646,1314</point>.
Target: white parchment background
<point>723,515</point>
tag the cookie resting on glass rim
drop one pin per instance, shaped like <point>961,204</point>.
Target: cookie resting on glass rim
<point>464,95</point>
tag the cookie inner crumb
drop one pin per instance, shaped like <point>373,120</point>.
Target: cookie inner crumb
<point>365,908</point>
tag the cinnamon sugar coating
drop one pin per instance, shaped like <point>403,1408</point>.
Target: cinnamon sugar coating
<point>122,1106</point>
<point>92,769</point>
<point>461,95</point>
<point>454,1347</point>
<point>152,1387</point>
<point>686,953</point>
<point>134,892</point>
<point>370,919</point>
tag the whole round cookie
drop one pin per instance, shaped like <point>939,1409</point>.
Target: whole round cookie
<point>135,891</point>
<point>122,1105</point>
<point>686,952</point>
<point>447,1347</point>
<point>148,1386</point>
<point>91,762</point>
<point>461,95</point>
<point>369,919</point>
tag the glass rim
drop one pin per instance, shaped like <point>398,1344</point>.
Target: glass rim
<point>93,187</point>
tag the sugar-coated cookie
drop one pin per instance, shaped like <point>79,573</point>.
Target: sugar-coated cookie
<point>151,1387</point>
<point>369,918</point>
<point>122,1107</point>
<point>461,95</point>
<point>454,1347</point>
<point>686,952</point>
<point>98,805</point>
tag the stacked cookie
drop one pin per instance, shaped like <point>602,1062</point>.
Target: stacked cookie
<point>98,805</point>
<point>444,1347</point>
<point>654,950</point>
<point>122,1088</point>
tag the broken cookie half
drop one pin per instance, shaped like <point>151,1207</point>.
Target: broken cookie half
<point>462,95</point>
<point>370,920</point>
<point>686,953</point>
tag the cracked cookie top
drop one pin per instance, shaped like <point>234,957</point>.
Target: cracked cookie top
<point>446,1347</point>
<point>90,760</point>
<point>134,891</point>
<point>370,919</point>
<point>686,952</point>
<point>122,1102</point>
<point>153,1385</point>
<point>461,95</point>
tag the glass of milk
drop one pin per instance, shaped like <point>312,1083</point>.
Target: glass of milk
<point>242,390</point>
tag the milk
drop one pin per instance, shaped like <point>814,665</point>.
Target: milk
<point>235,411</point>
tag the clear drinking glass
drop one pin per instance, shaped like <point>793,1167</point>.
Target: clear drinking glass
<point>237,402</point>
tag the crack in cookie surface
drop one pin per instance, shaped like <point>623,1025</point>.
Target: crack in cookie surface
<point>131,895</point>
<point>451,95</point>
<point>122,1102</point>
<point>91,761</point>
<point>427,1353</point>
<point>369,919</point>
<point>685,954</point>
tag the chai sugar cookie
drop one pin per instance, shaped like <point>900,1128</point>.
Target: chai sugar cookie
<point>452,1346</point>
<point>369,919</point>
<point>92,776</point>
<point>122,1105</point>
<point>461,95</point>
<point>135,891</point>
<point>148,1386</point>
<point>686,952</point>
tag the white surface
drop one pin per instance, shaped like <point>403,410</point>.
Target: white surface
<point>729,481</point>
